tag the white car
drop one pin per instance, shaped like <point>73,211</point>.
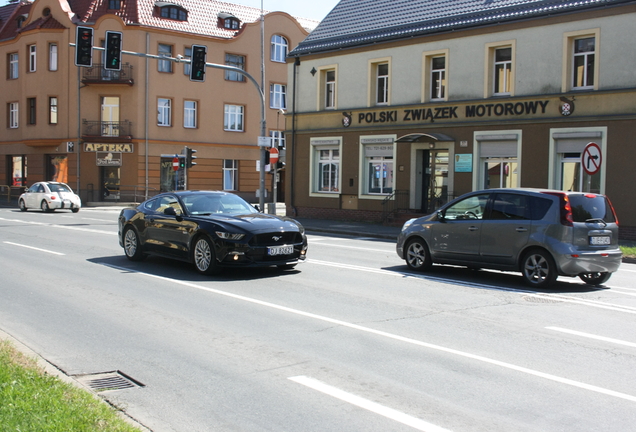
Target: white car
<point>49,196</point>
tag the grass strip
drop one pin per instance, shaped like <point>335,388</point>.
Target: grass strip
<point>31,400</point>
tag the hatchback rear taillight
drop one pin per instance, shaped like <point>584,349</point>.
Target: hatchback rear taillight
<point>564,207</point>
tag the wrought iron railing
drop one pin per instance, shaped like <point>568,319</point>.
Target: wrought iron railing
<point>119,129</point>
<point>394,203</point>
<point>98,74</point>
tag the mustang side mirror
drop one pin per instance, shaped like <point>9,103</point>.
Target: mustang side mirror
<point>170,211</point>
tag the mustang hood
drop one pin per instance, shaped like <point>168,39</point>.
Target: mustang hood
<point>259,222</point>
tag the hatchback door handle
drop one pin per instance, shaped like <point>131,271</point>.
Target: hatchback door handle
<point>473,228</point>
<point>521,229</point>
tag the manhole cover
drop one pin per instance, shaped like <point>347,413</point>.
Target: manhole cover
<point>108,381</point>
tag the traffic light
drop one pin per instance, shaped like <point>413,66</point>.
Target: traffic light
<point>197,63</point>
<point>190,157</point>
<point>113,51</point>
<point>181,163</point>
<point>84,47</point>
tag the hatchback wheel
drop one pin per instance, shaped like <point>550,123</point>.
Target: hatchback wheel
<point>538,269</point>
<point>22,205</point>
<point>132,247</point>
<point>203,256</point>
<point>417,255</point>
<point>595,278</point>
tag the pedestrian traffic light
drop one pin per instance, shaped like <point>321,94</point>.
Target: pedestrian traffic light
<point>113,51</point>
<point>190,157</point>
<point>84,47</point>
<point>197,63</point>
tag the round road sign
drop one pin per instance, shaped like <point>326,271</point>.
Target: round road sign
<point>591,158</point>
<point>273,155</point>
<point>175,164</point>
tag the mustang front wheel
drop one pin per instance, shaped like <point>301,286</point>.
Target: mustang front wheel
<point>132,247</point>
<point>203,256</point>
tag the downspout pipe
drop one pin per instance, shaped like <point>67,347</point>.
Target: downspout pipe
<point>293,142</point>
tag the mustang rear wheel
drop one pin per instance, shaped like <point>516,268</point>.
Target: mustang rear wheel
<point>538,269</point>
<point>132,247</point>
<point>203,256</point>
<point>595,278</point>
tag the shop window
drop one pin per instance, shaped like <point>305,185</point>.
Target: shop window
<point>230,175</point>
<point>501,173</point>
<point>567,171</point>
<point>169,179</point>
<point>57,168</point>
<point>17,171</point>
<point>378,169</point>
<point>325,166</point>
<point>498,156</point>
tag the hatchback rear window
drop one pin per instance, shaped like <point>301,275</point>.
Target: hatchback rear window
<point>589,206</point>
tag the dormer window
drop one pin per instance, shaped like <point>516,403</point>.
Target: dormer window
<point>229,21</point>
<point>21,19</point>
<point>172,11</point>
<point>114,4</point>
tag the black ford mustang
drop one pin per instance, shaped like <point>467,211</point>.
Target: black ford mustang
<point>212,230</point>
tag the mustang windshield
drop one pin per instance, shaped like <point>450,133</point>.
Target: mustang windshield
<point>217,204</point>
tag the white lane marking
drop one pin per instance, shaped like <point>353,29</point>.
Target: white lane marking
<point>34,248</point>
<point>591,336</point>
<point>357,248</point>
<point>368,405</point>
<point>101,220</point>
<point>616,290</point>
<point>74,228</point>
<point>369,330</point>
<point>405,275</point>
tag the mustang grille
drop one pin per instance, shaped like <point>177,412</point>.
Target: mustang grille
<point>276,239</point>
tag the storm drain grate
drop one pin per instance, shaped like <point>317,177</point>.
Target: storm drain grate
<point>108,381</point>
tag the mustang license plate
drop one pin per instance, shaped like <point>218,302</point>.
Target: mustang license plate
<point>599,240</point>
<point>280,250</point>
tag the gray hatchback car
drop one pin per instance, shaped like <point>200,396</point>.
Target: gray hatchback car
<point>541,233</point>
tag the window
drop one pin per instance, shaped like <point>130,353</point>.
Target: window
<point>233,118</point>
<point>499,159</point>
<point>57,168</point>
<point>230,175</point>
<point>164,112</point>
<point>503,70</point>
<point>238,61</point>
<point>114,4</point>
<point>380,83</point>
<point>52,57</point>
<point>325,166</point>
<point>190,114</point>
<point>438,78</point>
<point>174,13</point>
<point>52,110</point>
<point>13,66</point>
<point>278,138</point>
<point>278,48</point>
<point>17,172</point>
<point>277,96</point>
<point>165,65</point>
<point>188,56</point>
<point>330,89</point>
<point>31,112</point>
<point>32,58</point>
<point>231,23</point>
<point>378,169</point>
<point>470,208</point>
<point>13,115</point>
<point>583,63</point>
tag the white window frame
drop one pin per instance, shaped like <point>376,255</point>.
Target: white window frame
<point>53,109</point>
<point>32,58</point>
<point>502,73</point>
<point>438,80</point>
<point>385,148</point>
<point>234,118</point>
<point>495,137</point>
<point>164,112</point>
<point>187,54</point>
<point>318,145</point>
<point>278,96</point>
<point>14,112</point>
<point>279,46</point>
<point>491,64</point>
<point>190,114</point>
<point>164,66</point>
<point>585,56</point>
<point>278,138</point>
<point>430,75</point>
<point>53,57</point>
<point>233,75</point>
<point>569,40</point>
<point>330,89</point>
<point>230,174</point>
<point>379,85</point>
<point>14,66</point>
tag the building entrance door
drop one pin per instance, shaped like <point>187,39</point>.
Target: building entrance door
<point>434,180</point>
<point>110,183</point>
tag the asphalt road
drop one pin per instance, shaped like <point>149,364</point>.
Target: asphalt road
<point>350,341</point>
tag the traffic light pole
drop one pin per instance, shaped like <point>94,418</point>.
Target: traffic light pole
<point>261,93</point>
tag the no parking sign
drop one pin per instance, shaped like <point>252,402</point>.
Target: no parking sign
<point>591,158</point>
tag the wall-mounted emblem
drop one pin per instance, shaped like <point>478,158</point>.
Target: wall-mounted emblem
<point>567,106</point>
<point>346,120</point>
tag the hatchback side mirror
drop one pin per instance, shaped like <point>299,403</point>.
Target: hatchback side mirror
<point>440,216</point>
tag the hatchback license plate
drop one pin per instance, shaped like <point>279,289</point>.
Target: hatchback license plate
<point>280,250</point>
<point>599,240</point>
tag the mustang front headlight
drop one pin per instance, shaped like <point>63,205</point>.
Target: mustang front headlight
<point>229,236</point>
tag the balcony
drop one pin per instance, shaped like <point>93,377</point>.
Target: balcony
<point>106,131</point>
<point>98,75</point>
